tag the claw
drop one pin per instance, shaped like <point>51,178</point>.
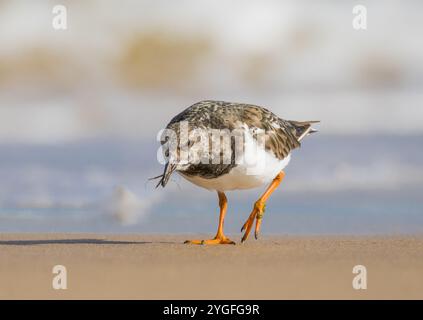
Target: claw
<point>214,241</point>
<point>258,224</point>
<point>257,214</point>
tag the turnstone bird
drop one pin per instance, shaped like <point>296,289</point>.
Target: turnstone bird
<point>225,146</point>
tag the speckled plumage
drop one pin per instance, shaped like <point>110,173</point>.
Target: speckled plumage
<point>282,136</point>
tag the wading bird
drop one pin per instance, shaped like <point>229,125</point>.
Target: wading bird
<point>249,163</point>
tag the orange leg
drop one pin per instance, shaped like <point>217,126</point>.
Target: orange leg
<point>220,238</point>
<point>259,207</point>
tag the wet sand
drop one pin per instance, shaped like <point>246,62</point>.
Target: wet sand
<point>162,267</point>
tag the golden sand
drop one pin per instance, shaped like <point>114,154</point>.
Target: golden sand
<point>162,267</point>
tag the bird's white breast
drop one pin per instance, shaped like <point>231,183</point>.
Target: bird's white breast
<point>257,167</point>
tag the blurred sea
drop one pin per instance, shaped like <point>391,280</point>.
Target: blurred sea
<point>334,185</point>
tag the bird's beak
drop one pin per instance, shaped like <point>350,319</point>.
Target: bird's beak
<point>168,170</point>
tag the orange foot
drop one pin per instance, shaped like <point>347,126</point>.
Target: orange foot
<point>257,214</point>
<point>216,240</point>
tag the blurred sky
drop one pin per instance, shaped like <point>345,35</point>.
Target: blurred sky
<point>80,110</point>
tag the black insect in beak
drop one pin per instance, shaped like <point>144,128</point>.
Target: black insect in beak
<point>164,178</point>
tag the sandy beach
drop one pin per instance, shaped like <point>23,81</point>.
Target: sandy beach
<point>162,267</point>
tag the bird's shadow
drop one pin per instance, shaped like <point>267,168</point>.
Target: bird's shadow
<point>74,241</point>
